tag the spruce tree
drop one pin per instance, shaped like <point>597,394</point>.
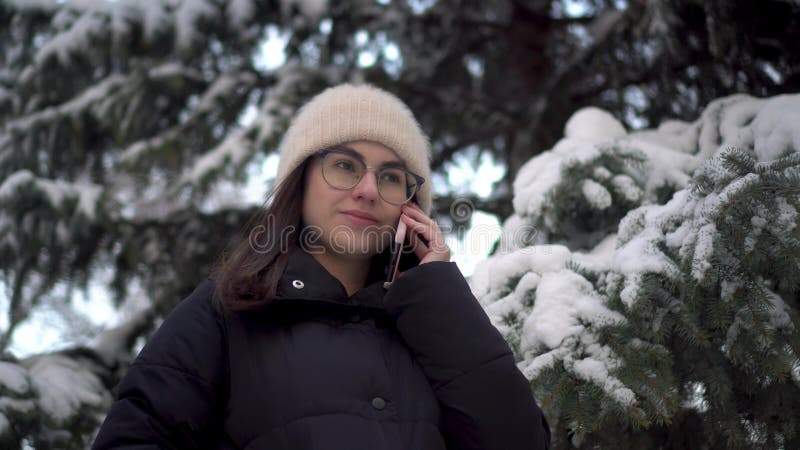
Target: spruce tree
<point>684,332</point>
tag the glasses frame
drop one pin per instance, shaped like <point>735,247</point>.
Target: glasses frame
<point>325,152</point>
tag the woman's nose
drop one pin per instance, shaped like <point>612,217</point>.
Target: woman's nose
<point>367,187</point>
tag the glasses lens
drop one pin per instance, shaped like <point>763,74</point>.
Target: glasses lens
<point>393,185</point>
<point>342,171</point>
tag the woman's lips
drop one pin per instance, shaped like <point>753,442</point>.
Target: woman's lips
<point>358,218</point>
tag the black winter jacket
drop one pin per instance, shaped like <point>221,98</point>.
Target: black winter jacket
<point>416,367</point>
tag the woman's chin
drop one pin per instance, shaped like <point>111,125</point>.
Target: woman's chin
<point>360,244</point>
<point>366,251</point>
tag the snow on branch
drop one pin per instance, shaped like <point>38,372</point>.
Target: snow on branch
<point>702,231</point>
<point>174,70</point>
<point>241,144</point>
<point>58,399</point>
<point>55,399</point>
<point>98,93</point>
<point>56,192</point>
<point>188,15</point>
<point>223,89</point>
<point>35,5</point>
<point>83,25</point>
<point>75,39</point>
<point>551,314</point>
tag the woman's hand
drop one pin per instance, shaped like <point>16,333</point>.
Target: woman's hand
<point>421,225</point>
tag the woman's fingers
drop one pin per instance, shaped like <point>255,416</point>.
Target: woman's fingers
<point>419,247</point>
<point>418,227</point>
<point>415,230</point>
<point>423,226</point>
<point>415,213</point>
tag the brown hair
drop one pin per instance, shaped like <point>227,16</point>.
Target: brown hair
<point>246,278</point>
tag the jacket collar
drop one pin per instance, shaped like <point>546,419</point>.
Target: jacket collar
<point>306,280</point>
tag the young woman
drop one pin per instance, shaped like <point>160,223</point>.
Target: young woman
<point>296,342</point>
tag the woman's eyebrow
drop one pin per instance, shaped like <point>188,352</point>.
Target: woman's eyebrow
<point>356,154</point>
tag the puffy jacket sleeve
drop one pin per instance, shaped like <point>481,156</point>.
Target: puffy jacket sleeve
<point>486,401</point>
<point>172,394</point>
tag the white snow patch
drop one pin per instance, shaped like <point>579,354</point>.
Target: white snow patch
<point>728,289</point>
<point>187,15</point>
<point>564,300</point>
<point>664,166</point>
<point>534,181</point>
<point>56,191</point>
<point>787,217</point>
<point>601,257</point>
<point>594,370</point>
<point>779,312</point>
<point>232,151</point>
<point>221,89</point>
<point>704,250</point>
<point>712,203</point>
<point>174,70</point>
<point>675,239</point>
<point>775,128</point>
<point>13,182</point>
<point>65,386</point>
<point>14,378</point>
<point>641,254</point>
<point>113,342</point>
<point>155,18</point>
<point>313,9</point>
<point>97,93</point>
<point>490,279</point>
<point>43,5</point>
<point>89,25</point>
<point>674,135</point>
<point>240,12</point>
<point>626,187</point>
<point>596,194</point>
<point>758,223</point>
<point>593,123</point>
<point>518,233</point>
<point>601,173</point>
<point>561,323</point>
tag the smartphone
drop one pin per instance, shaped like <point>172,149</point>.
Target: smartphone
<point>395,251</point>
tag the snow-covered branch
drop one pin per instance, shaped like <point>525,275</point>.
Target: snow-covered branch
<point>702,261</point>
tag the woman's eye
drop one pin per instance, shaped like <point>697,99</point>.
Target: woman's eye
<point>345,165</point>
<point>391,178</point>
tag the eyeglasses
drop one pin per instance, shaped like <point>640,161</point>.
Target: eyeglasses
<point>343,169</point>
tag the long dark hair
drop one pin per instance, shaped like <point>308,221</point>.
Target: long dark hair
<point>247,272</point>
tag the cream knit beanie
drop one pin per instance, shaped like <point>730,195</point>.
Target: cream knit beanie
<point>349,112</point>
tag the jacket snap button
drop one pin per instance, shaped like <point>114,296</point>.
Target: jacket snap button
<point>378,403</point>
<point>298,284</point>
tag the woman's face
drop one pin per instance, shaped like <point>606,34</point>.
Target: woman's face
<point>355,222</point>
